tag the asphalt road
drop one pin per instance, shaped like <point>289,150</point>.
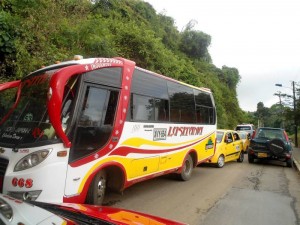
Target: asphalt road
<point>237,194</point>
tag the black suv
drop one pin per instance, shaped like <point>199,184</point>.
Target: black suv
<point>270,143</point>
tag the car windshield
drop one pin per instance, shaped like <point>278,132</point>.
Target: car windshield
<point>269,134</point>
<point>220,135</point>
<point>29,122</point>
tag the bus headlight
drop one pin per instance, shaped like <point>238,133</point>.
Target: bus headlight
<point>5,210</point>
<point>32,160</point>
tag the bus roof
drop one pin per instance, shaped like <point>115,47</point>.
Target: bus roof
<point>92,60</point>
<point>169,78</point>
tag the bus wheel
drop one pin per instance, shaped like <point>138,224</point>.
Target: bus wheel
<point>97,188</point>
<point>187,169</point>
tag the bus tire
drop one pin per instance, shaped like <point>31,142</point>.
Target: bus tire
<point>187,169</point>
<point>96,192</point>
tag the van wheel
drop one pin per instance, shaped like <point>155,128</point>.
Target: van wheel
<point>187,169</point>
<point>95,195</point>
<point>221,161</point>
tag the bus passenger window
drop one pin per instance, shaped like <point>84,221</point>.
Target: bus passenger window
<point>142,108</point>
<point>182,104</point>
<point>161,110</point>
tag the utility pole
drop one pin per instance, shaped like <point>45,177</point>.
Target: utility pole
<point>295,113</point>
<point>279,94</point>
<point>295,116</point>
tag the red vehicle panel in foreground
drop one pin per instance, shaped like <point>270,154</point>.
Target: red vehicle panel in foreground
<point>13,211</point>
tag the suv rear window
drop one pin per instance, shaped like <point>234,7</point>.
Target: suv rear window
<point>270,134</point>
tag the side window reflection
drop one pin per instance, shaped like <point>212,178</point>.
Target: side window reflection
<point>95,122</point>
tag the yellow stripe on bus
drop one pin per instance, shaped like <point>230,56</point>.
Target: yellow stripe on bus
<point>137,142</point>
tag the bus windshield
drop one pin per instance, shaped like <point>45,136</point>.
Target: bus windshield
<point>7,99</point>
<point>29,122</point>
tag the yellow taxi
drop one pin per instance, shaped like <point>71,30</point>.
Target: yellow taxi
<point>245,136</point>
<point>229,147</point>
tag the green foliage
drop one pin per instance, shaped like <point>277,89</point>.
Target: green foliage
<point>269,117</point>
<point>231,77</point>
<point>34,33</point>
<point>7,44</point>
<point>6,34</point>
<point>195,44</point>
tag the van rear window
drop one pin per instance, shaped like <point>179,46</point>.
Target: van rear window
<point>243,128</point>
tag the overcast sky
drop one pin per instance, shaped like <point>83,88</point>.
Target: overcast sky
<point>261,38</point>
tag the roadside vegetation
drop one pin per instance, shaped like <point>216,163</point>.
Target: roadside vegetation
<point>34,33</point>
<point>280,115</point>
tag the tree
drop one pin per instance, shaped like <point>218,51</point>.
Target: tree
<point>262,113</point>
<point>34,33</point>
<point>231,76</point>
<point>195,43</point>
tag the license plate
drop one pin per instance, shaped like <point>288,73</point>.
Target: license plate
<point>262,155</point>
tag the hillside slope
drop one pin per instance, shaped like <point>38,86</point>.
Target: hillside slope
<point>40,32</point>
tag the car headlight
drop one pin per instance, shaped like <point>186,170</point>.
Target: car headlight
<point>5,210</point>
<point>32,160</point>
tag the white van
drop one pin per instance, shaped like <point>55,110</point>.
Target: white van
<point>246,127</point>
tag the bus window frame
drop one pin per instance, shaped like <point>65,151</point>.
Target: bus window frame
<point>171,88</point>
<point>77,111</point>
<point>57,86</point>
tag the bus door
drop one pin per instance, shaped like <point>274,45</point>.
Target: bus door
<point>92,127</point>
<point>94,123</point>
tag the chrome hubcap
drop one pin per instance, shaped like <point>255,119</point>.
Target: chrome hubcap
<point>187,167</point>
<point>101,187</point>
<point>221,161</point>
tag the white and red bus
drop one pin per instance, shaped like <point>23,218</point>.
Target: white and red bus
<point>78,128</point>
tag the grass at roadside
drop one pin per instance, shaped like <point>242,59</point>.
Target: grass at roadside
<point>292,138</point>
